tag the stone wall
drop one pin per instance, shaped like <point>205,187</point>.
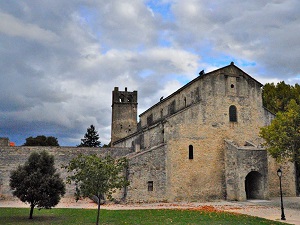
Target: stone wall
<point>288,178</point>
<point>202,177</point>
<point>11,157</point>
<point>144,167</point>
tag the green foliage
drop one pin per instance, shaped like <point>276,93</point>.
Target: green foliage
<point>282,136</point>
<point>16,216</point>
<point>41,141</point>
<point>95,176</point>
<point>277,97</point>
<point>107,145</point>
<point>37,183</point>
<point>91,138</point>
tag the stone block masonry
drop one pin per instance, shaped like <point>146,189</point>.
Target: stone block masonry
<point>12,157</point>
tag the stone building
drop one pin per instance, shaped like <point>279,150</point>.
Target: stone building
<point>200,143</point>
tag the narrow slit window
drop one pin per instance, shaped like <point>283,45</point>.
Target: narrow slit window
<point>232,113</point>
<point>191,152</point>
<point>150,185</point>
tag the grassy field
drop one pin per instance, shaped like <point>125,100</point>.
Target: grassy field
<point>19,216</point>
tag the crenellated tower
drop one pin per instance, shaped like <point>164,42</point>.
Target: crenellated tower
<point>124,114</point>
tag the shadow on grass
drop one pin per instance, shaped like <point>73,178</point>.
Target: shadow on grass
<point>42,219</point>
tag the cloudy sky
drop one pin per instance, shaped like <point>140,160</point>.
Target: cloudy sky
<point>61,59</point>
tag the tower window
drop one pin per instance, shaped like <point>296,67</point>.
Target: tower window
<point>130,98</point>
<point>191,152</point>
<point>122,98</point>
<point>232,114</point>
<point>150,185</point>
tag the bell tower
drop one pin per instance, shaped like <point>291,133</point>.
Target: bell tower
<point>124,114</point>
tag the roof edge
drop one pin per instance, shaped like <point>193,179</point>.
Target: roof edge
<point>194,80</point>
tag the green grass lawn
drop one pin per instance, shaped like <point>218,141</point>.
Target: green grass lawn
<point>19,216</point>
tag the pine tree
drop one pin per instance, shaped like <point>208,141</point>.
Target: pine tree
<point>91,138</point>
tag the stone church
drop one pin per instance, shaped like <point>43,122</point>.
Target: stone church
<point>200,143</point>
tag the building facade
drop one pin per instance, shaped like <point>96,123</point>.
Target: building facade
<point>202,143</point>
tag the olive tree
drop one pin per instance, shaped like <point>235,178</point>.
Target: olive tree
<point>37,183</point>
<point>96,176</point>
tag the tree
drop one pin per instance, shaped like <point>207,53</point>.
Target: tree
<point>96,176</point>
<point>91,138</point>
<point>37,183</point>
<point>277,97</point>
<point>41,141</point>
<point>107,145</point>
<point>282,136</point>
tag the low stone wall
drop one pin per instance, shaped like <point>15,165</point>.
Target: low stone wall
<point>11,157</point>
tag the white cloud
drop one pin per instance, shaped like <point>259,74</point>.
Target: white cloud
<point>265,31</point>
<point>12,26</point>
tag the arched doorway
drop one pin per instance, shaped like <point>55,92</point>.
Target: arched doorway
<point>254,185</point>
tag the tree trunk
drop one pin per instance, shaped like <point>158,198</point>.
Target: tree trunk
<point>31,211</point>
<point>98,214</point>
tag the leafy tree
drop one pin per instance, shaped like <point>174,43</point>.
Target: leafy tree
<point>37,183</point>
<point>95,176</point>
<point>41,141</point>
<point>282,136</point>
<point>277,97</point>
<point>91,138</point>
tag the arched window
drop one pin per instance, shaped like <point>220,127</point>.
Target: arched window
<point>232,113</point>
<point>191,152</point>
